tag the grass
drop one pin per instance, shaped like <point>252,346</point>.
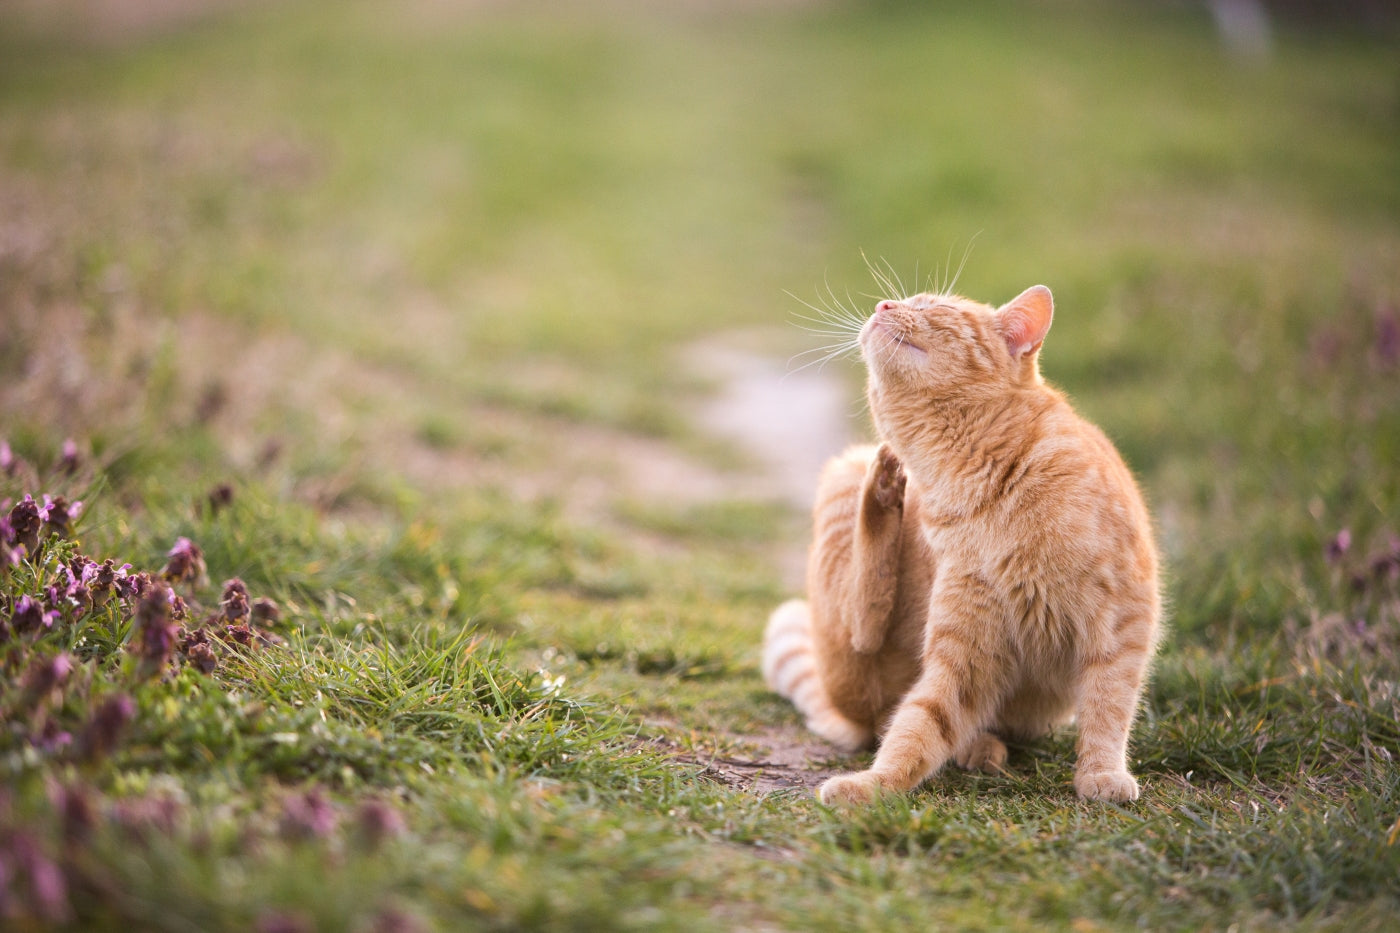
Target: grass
<point>420,287</point>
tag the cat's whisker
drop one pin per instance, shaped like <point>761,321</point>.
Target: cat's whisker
<point>822,311</point>
<point>944,282</point>
<point>890,348</point>
<point>850,311</point>
<point>830,352</point>
<point>829,319</point>
<point>881,279</point>
<point>833,317</point>
<point>828,326</point>
<point>891,288</point>
<point>841,336</point>
<point>898,345</point>
<point>825,325</point>
<point>834,305</point>
<point>819,363</point>
<point>831,322</point>
<point>962,263</point>
<point>896,277</point>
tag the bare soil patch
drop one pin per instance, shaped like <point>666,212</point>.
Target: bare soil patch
<point>782,758</point>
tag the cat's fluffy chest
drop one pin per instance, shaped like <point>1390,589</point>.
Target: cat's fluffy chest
<point>1028,551</point>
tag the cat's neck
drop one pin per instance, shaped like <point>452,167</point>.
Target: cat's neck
<point>966,452</point>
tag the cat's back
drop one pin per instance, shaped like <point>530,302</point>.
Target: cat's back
<point>1078,478</point>
<point>1065,451</point>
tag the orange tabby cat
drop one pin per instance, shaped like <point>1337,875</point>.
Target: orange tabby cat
<point>988,572</point>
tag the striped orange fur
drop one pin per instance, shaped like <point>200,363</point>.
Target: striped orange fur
<point>987,572</point>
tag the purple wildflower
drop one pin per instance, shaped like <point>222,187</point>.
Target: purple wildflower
<point>220,498</point>
<point>48,888</point>
<point>103,579</point>
<point>308,816</point>
<point>179,611</point>
<point>133,586</point>
<point>24,524</point>
<point>378,822</point>
<point>51,739</point>
<point>8,462</point>
<point>70,459</point>
<point>29,616</point>
<point>75,592</point>
<point>103,732</point>
<point>1339,545</point>
<point>58,514</point>
<point>46,675</point>
<point>193,637</point>
<point>138,815</point>
<point>240,634</point>
<point>265,612</point>
<point>1386,566</point>
<point>76,811</point>
<point>10,551</point>
<point>10,554</point>
<point>198,650</point>
<point>203,658</point>
<point>184,563</point>
<point>155,630</point>
<point>235,601</point>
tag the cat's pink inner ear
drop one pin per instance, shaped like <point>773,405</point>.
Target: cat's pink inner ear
<point>1025,320</point>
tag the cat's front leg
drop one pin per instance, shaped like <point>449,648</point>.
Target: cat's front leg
<point>944,711</point>
<point>1108,698</point>
<point>926,728</point>
<point>876,544</point>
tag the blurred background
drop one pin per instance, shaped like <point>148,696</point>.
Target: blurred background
<point>482,341</point>
<point>378,255</point>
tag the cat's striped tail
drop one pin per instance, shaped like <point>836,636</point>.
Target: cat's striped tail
<point>790,668</point>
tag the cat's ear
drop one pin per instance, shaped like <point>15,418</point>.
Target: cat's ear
<point>1025,320</point>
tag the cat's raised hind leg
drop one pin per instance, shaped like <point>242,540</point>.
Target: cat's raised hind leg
<point>876,550</point>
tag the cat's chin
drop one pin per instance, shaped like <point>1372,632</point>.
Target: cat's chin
<point>880,341</point>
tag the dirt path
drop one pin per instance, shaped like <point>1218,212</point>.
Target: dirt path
<point>790,421</point>
<point>784,758</point>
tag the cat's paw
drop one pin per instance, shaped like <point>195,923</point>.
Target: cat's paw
<point>887,483</point>
<point>850,790</point>
<point>1116,786</point>
<point>986,753</point>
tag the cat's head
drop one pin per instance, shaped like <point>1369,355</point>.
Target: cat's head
<point>944,346</point>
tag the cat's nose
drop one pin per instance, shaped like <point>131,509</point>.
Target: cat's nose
<point>886,305</point>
